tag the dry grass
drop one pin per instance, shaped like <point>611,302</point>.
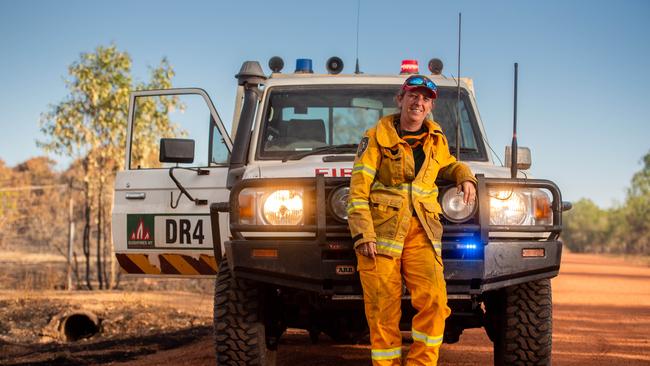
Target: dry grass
<point>13,256</point>
<point>25,271</point>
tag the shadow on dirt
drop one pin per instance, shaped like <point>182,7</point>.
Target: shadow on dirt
<point>89,352</point>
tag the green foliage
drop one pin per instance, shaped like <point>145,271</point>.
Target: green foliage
<point>585,227</point>
<point>151,123</point>
<point>637,211</point>
<point>625,229</point>
<point>91,121</point>
<point>641,180</point>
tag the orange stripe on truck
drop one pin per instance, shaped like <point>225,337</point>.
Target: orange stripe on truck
<point>142,261</point>
<point>210,262</point>
<point>180,264</point>
<point>167,264</point>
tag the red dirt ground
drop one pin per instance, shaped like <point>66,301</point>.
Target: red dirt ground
<point>601,317</point>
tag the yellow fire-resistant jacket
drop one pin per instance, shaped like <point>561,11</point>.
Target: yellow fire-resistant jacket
<point>384,191</point>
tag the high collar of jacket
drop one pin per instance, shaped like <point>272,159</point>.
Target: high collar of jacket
<point>387,136</point>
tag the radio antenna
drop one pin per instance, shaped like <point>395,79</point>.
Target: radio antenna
<point>356,69</point>
<point>458,131</point>
<point>513,152</point>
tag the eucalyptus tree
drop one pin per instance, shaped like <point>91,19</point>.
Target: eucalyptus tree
<point>90,125</point>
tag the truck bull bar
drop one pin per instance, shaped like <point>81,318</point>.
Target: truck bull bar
<point>321,222</point>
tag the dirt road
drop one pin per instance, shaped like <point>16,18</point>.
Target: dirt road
<point>601,317</point>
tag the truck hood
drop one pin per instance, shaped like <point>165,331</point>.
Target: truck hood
<point>310,166</point>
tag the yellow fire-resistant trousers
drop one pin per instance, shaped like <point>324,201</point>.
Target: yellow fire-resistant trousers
<point>381,278</point>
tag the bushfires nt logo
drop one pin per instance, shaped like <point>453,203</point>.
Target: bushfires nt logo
<point>140,230</point>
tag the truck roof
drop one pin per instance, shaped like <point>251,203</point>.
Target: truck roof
<point>281,79</point>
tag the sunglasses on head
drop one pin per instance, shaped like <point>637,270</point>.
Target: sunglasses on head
<point>421,81</point>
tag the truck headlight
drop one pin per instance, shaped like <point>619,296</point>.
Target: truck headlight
<point>507,208</point>
<point>283,207</point>
<point>520,207</point>
<point>453,207</point>
<point>339,203</point>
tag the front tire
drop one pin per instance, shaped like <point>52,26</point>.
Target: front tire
<point>239,335</point>
<point>519,320</point>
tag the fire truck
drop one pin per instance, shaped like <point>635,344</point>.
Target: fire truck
<point>263,207</point>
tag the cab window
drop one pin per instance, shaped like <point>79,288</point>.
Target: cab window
<point>174,116</point>
<point>306,118</point>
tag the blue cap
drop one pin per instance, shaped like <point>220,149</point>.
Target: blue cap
<point>303,65</point>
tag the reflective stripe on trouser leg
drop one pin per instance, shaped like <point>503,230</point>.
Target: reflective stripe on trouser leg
<point>389,355</point>
<point>382,295</point>
<point>423,275</point>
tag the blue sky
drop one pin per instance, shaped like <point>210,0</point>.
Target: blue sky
<point>583,91</point>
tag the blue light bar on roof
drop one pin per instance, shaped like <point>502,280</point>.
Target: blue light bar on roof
<point>303,66</point>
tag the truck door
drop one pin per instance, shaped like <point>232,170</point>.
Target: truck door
<point>155,230</point>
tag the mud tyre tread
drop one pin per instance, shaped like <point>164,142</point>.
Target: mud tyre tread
<point>238,334</point>
<point>521,318</point>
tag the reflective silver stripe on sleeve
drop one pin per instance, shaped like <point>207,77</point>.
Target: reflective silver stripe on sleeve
<point>358,204</point>
<point>364,169</point>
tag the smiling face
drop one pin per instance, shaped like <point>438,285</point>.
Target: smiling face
<point>414,107</point>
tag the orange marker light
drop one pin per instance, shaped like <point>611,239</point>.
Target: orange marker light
<point>543,211</point>
<point>533,252</point>
<point>265,253</point>
<point>246,212</point>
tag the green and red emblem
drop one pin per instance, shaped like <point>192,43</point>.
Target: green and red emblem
<point>140,230</point>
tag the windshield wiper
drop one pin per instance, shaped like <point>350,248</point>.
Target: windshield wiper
<point>322,149</point>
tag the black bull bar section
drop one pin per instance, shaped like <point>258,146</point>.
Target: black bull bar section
<point>312,262</point>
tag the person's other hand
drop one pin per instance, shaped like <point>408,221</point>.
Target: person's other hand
<point>469,190</point>
<point>368,249</point>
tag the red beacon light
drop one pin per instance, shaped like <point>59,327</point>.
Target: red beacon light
<point>409,67</point>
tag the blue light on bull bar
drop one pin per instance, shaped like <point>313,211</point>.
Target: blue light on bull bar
<point>303,66</point>
<point>467,249</point>
<point>467,246</point>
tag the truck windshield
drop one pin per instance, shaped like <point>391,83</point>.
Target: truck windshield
<point>306,118</point>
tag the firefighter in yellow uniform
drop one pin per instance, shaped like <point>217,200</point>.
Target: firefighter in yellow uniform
<point>394,221</point>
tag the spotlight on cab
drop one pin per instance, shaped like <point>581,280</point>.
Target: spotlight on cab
<point>334,65</point>
<point>276,64</point>
<point>435,66</point>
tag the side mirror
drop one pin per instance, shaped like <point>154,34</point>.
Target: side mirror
<point>176,151</point>
<point>523,157</point>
